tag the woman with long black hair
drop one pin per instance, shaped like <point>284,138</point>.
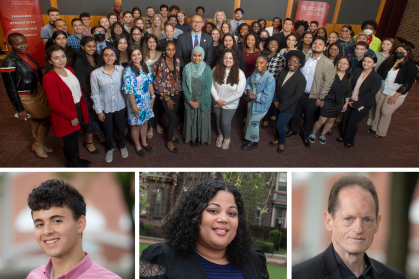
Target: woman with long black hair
<point>85,64</point>
<point>60,39</point>
<point>117,28</point>
<point>365,83</point>
<point>399,72</point>
<point>168,86</point>
<point>68,105</point>
<point>228,42</point>
<point>336,100</point>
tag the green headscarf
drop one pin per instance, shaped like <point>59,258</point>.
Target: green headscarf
<point>195,70</point>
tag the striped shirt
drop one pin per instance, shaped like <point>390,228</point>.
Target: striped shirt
<point>86,269</point>
<point>74,41</point>
<point>106,90</point>
<point>220,271</point>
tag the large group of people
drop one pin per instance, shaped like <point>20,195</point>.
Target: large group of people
<point>124,73</point>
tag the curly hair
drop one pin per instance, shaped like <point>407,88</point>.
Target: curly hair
<point>371,22</point>
<point>221,47</point>
<point>257,41</point>
<point>299,23</point>
<point>131,64</point>
<point>391,60</point>
<point>181,226</point>
<point>321,28</point>
<point>239,28</point>
<point>297,53</point>
<point>57,193</point>
<point>220,69</point>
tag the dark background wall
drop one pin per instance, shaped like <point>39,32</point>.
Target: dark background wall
<point>266,9</point>
<point>95,8</point>
<point>356,12</point>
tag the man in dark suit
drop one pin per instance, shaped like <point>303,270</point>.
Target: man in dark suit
<point>169,32</point>
<point>187,41</point>
<point>353,219</point>
<point>99,34</point>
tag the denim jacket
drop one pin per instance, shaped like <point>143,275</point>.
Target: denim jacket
<point>265,91</point>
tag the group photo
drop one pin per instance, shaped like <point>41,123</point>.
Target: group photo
<point>125,83</point>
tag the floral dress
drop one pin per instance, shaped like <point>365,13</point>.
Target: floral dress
<point>138,86</point>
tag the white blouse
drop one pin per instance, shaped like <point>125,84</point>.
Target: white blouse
<point>73,83</point>
<point>388,86</point>
<point>228,93</point>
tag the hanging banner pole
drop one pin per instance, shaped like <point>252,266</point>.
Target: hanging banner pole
<point>311,10</point>
<point>25,17</point>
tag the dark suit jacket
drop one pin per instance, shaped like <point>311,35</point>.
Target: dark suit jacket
<point>279,37</point>
<point>325,266</point>
<point>289,94</point>
<point>185,46</point>
<point>368,88</point>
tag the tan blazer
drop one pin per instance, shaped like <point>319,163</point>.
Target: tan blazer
<point>324,76</point>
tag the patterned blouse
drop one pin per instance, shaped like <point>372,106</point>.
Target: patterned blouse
<point>276,63</point>
<point>165,84</point>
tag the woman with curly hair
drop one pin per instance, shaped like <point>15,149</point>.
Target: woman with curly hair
<point>228,42</point>
<point>289,89</point>
<point>300,27</point>
<point>321,32</point>
<point>206,232</point>
<point>228,84</point>
<point>262,23</point>
<point>260,89</point>
<point>138,85</point>
<point>256,27</point>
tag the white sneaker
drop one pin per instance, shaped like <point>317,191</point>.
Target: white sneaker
<point>312,138</point>
<point>124,152</point>
<point>322,139</point>
<point>109,156</point>
<point>273,117</point>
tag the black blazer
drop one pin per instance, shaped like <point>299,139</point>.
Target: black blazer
<point>407,75</point>
<point>185,46</point>
<point>279,37</point>
<point>368,88</point>
<point>161,259</point>
<point>289,94</point>
<point>325,266</point>
<point>83,69</point>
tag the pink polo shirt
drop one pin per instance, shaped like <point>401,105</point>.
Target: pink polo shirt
<point>85,269</point>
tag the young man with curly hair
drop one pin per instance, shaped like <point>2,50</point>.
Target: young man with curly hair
<point>369,27</point>
<point>59,215</point>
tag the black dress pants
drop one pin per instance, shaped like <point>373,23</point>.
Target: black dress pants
<point>114,119</point>
<point>160,106</point>
<point>71,147</point>
<point>309,108</point>
<point>351,118</point>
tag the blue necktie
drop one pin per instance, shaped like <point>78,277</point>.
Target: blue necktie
<point>196,41</point>
<point>100,48</point>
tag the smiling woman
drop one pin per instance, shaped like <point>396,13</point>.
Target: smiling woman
<point>207,236</point>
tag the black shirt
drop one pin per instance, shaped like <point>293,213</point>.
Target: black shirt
<point>185,27</point>
<point>339,90</point>
<point>346,273</point>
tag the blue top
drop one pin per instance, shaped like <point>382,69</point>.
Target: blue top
<point>219,271</point>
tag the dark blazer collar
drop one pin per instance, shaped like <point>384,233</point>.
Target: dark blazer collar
<point>331,269</point>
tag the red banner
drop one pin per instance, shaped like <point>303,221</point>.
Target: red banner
<point>25,17</point>
<point>310,10</point>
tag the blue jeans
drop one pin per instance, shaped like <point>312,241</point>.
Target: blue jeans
<point>281,120</point>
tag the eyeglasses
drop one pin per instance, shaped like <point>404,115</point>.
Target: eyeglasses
<point>239,14</point>
<point>334,49</point>
<point>117,27</point>
<point>201,12</point>
<point>99,32</point>
<point>196,22</point>
<point>150,11</point>
<point>109,55</point>
<point>173,20</point>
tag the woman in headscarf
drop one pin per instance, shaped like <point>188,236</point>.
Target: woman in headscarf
<point>197,77</point>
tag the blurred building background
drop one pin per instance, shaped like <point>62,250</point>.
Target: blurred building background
<point>164,189</point>
<point>108,237</point>
<point>264,195</point>
<point>310,193</point>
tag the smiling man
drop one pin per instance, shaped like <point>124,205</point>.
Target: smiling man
<point>59,216</point>
<point>353,219</point>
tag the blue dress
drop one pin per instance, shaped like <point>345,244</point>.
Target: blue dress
<point>138,86</point>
